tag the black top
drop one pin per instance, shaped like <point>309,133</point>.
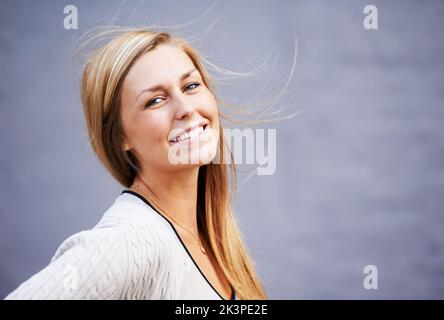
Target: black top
<point>186,249</point>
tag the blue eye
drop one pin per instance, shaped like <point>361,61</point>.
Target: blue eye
<point>157,100</point>
<point>153,102</point>
<point>192,86</point>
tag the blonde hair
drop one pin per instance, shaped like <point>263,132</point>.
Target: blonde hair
<point>100,90</point>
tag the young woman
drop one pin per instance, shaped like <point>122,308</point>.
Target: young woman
<point>170,234</point>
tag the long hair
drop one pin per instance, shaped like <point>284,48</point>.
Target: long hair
<point>101,87</point>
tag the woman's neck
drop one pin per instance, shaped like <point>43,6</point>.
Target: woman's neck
<point>175,193</point>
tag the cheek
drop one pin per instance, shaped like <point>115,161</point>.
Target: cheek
<point>210,106</point>
<point>215,116</point>
<point>212,113</point>
<point>152,129</point>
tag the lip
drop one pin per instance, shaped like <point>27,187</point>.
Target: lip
<point>186,130</point>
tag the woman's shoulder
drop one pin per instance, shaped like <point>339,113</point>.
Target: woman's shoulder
<point>125,222</point>
<point>135,219</point>
<point>124,249</point>
<point>131,226</point>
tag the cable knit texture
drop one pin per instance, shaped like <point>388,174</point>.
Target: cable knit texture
<point>130,254</point>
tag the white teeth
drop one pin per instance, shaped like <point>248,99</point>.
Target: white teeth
<point>188,135</point>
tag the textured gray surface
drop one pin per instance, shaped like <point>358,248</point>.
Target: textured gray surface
<point>360,174</point>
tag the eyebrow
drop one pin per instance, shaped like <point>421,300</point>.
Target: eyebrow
<point>160,86</point>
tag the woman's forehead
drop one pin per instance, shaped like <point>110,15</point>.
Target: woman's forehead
<point>163,64</point>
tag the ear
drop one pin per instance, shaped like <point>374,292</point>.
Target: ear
<point>126,147</point>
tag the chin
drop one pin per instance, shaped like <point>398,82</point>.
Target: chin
<point>197,160</point>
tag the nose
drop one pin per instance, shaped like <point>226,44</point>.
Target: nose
<point>183,108</point>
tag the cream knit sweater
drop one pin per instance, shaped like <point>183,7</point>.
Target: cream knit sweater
<point>131,253</point>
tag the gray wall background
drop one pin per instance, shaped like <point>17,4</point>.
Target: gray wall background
<point>360,174</point>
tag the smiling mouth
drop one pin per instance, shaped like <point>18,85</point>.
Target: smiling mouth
<point>189,135</point>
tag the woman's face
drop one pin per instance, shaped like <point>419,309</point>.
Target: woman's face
<point>162,98</point>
